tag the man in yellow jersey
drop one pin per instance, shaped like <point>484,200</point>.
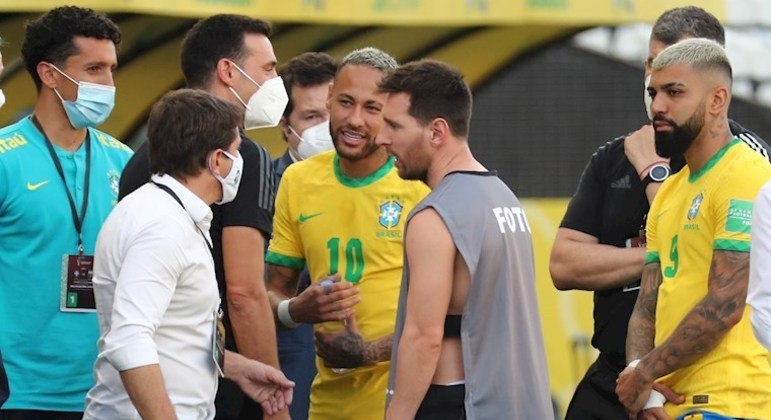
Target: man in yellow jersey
<point>689,329</point>
<point>342,213</point>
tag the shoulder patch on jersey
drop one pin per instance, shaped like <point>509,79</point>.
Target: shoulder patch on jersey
<point>739,218</point>
<point>9,143</point>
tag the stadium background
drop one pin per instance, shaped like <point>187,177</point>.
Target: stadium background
<point>543,100</point>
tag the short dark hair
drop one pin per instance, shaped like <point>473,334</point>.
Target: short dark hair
<point>307,69</point>
<point>185,126</point>
<point>215,38</point>
<point>690,21</point>
<point>436,91</point>
<point>51,37</point>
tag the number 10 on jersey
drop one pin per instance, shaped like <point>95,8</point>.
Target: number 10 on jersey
<point>354,258</point>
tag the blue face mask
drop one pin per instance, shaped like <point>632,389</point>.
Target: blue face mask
<point>92,106</point>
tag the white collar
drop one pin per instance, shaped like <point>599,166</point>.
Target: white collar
<point>194,206</point>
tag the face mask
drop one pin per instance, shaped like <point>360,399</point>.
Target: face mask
<point>92,106</point>
<point>2,98</point>
<point>231,182</point>
<point>266,106</point>
<point>647,98</point>
<point>314,140</point>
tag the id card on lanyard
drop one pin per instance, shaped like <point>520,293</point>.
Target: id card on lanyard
<point>218,343</point>
<point>77,287</point>
<point>218,327</point>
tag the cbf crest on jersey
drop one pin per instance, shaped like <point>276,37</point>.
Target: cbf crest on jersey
<point>390,214</point>
<point>113,178</point>
<point>695,205</point>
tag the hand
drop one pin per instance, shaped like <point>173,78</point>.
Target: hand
<point>262,383</point>
<point>280,415</point>
<point>321,304</point>
<point>658,413</point>
<point>669,394</point>
<point>343,349</point>
<point>640,149</point>
<point>633,390</point>
<point>655,413</point>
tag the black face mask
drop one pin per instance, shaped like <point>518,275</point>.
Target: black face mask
<point>676,142</point>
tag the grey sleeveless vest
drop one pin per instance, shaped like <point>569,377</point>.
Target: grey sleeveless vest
<point>503,349</point>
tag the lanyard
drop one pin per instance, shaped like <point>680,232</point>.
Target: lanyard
<point>177,199</point>
<point>76,219</point>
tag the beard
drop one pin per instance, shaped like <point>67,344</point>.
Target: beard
<point>674,143</point>
<point>342,150</point>
<point>415,172</point>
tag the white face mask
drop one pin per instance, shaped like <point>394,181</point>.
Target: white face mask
<point>230,182</point>
<point>647,98</point>
<point>2,98</point>
<point>314,140</point>
<point>266,106</point>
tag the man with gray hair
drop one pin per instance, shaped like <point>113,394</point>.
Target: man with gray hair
<point>689,334</point>
<point>341,213</point>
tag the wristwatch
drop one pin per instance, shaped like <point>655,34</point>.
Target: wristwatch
<point>657,173</point>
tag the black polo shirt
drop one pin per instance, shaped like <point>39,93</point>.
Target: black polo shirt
<point>610,204</point>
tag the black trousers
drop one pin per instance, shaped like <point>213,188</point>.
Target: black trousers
<point>39,415</point>
<point>595,397</point>
<point>443,403</point>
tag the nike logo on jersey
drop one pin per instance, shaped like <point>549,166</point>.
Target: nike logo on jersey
<point>33,187</point>
<point>304,218</point>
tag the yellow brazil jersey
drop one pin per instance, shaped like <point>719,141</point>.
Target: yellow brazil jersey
<point>354,227</point>
<point>693,215</point>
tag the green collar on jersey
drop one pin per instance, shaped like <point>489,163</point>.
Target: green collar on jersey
<point>361,182</point>
<point>712,161</point>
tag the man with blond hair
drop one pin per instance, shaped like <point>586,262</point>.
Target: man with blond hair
<point>690,327</point>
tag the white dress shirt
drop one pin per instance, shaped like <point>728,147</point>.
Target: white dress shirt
<point>759,289</point>
<point>156,297</point>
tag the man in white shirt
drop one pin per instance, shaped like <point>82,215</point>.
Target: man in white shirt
<point>154,280</point>
<point>759,288</point>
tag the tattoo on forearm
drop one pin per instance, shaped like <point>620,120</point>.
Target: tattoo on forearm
<point>708,322</point>
<point>379,351</point>
<point>278,278</point>
<point>642,324</point>
<point>351,347</point>
<point>350,350</point>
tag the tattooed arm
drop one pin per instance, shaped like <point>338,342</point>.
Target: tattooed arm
<point>642,324</point>
<point>314,304</point>
<point>709,321</point>
<point>697,334</point>
<point>632,390</point>
<point>348,349</point>
<point>281,285</point>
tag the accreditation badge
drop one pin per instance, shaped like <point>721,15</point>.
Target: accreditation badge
<point>77,290</point>
<point>218,343</point>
